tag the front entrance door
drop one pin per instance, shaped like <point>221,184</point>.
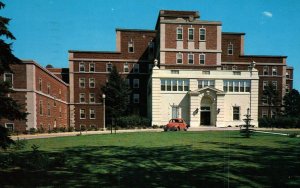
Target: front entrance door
<point>205,118</point>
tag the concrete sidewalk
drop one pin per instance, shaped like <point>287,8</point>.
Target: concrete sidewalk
<point>63,134</point>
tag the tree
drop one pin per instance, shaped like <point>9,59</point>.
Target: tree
<point>292,103</point>
<point>270,95</point>
<point>9,108</point>
<point>116,91</point>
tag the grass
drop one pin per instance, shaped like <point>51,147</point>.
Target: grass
<point>172,159</point>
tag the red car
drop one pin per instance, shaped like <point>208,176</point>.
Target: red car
<point>176,124</point>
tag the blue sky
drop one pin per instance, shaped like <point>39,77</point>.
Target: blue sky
<point>47,29</point>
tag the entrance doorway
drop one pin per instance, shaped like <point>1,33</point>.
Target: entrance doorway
<point>205,118</point>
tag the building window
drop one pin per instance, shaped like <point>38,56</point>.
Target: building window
<point>136,98</point>
<point>82,113</point>
<point>274,71</point>
<point>191,33</point>
<point>126,68</point>
<point>92,114</point>
<point>224,67</point>
<point>174,85</point>
<point>179,58</point>
<point>81,97</point>
<point>236,113</point>
<point>10,127</point>
<point>60,113</point>
<point>81,67</point>
<point>266,70</point>
<point>54,102</point>
<point>274,83</point>
<point>151,49</point>
<point>287,75</point>
<point>206,83</point>
<point>175,112</point>
<point>206,72</point>
<point>264,113</point>
<point>230,49</point>
<point>8,77</point>
<point>234,67</point>
<point>179,33</point>
<point>92,67</point>
<point>136,83</point>
<point>136,68</point>
<point>191,58</point>
<point>202,33</point>
<point>202,59</point>
<point>127,82</point>
<point>48,89</point>
<point>287,88</point>
<point>92,97</point>
<point>40,84</point>
<point>265,85</point>
<point>236,85</point>
<point>108,67</point>
<point>131,47</point>
<point>48,109</point>
<point>82,82</point>
<point>41,107</point>
<point>174,71</point>
<point>92,82</point>
<point>264,100</point>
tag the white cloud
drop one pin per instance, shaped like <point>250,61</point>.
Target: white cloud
<point>267,14</point>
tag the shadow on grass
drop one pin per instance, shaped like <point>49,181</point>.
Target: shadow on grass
<point>226,165</point>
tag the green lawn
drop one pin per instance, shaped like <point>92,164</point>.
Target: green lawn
<point>165,159</point>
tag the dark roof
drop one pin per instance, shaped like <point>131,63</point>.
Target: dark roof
<point>136,30</point>
<point>102,52</point>
<point>233,33</point>
<point>178,13</point>
<point>275,56</point>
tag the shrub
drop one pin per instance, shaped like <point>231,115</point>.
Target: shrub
<point>32,131</point>
<point>20,144</point>
<point>71,129</point>
<point>132,121</point>
<point>280,122</point>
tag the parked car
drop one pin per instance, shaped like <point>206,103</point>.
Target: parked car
<point>176,124</point>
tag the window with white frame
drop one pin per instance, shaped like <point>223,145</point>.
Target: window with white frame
<point>82,82</point>
<point>10,127</point>
<point>108,67</point>
<point>265,70</point>
<point>230,49</point>
<point>264,113</point>
<point>236,86</point>
<point>81,67</point>
<point>82,113</point>
<point>136,83</point>
<point>174,85</point>
<point>264,100</point>
<point>179,33</point>
<point>274,83</point>
<point>191,33</point>
<point>205,83</point>
<point>60,112</point>
<point>191,58</point>
<point>48,88</point>
<point>136,98</point>
<point>41,107</point>
<point>81,97</point>
<point>131,46</point>
<point>126,68</point>
<point>179,58</point>
<point>274,71</point>
<point>234,67</point>
<point>136,68</point>
<point>92,82</point>
<point>92,97</point>
<point>236,112</point>
<point>175,111</point>
<point>202,34</point>
<point>92,114</point>
<point>92,67</point>
<point>8,77</point>
<point>287,74</point>
<point>202,59</point>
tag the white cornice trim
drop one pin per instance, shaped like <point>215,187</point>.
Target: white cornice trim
<point>257,63</point>
<point>108,60</point>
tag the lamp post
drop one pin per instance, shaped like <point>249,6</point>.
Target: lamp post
<point>103,97</point>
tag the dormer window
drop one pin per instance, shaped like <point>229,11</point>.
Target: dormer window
<point>131,47</point>
<point>230,49</point>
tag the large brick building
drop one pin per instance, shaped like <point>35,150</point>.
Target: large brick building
<point>181,41</point>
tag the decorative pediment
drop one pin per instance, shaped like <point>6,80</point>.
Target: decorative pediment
<point>206,90</point>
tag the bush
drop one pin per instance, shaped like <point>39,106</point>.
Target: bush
<point>62,129</point>
<point>132,121</point>
<point>71,129</point>
<point>280,122</point>
<point>32,131</point>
